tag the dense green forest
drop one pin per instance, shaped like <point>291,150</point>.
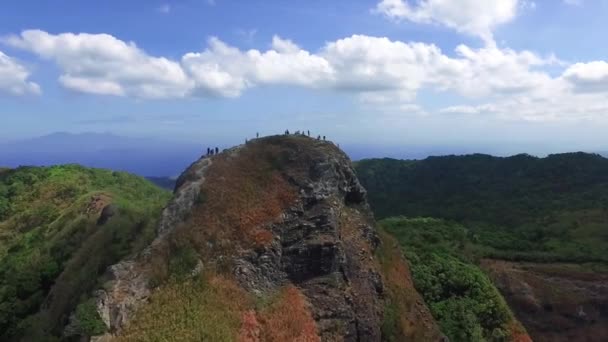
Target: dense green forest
<point>60,227</point>
<point>461,297</point>
<point>518,208</point>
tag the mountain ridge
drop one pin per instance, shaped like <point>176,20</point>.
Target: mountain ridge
<point>299,227</point>
<point>59,227</point>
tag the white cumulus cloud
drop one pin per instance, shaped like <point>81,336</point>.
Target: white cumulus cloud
<point>381,72</point>
<point>225,70</point>
<point>374,64</point>
<point>473,17</point>
<point>14,78</point>
<point>588,77</point>
<point>375,67</point>
<point>364,63</point>
<point>103,64</point>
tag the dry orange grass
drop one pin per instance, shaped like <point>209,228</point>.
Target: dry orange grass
<point>206,309</point>
<point>251,329</point>
<point>518,333</point>
<point>413,321</point>
<point>217,309</point>
<point>287,319</point>
<point>241,197</point>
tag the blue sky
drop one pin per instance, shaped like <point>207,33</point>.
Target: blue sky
<point>527,74</point>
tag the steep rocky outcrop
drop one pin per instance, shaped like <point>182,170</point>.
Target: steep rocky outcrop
<point>131,280</point>
<point>279,212</point>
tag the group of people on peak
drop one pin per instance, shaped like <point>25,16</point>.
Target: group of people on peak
<point>307,133</point>
<point>211,151</point>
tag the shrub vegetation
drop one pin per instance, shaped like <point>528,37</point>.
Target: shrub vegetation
<point>461,297</point>
<point>52,248</point>
<point>518,208</point>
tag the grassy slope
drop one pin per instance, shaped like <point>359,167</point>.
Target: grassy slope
<point>406,317</point>
<point>520,208</point>
<point>50,241</point>
<point>461,297</point>
<point>240,197</point>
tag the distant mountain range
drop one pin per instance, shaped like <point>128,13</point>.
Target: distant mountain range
<point>142,156</point>
<point>152,157</point>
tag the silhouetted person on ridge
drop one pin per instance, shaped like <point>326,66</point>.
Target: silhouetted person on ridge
<point>323,138</point>
<point>257,135</point>
<point>217,150</point>
<point>318,137</point>
<point>286,132</point>
<point>308,133</point>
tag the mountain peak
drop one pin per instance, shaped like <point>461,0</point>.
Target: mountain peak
<point>282,220</point>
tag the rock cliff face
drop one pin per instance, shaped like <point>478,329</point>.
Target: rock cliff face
<point>279,211</point>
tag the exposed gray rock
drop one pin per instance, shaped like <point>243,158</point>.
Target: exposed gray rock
<point>129,283</point>
<point>129,288</point>
<point>187,191</point>
<point>310,252</point>
<point>323,244</point>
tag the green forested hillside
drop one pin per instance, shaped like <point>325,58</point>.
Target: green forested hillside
<point>60,227</point>
<point>520,207</point>
<point>461,297</point>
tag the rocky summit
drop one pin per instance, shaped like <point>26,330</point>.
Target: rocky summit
<point>272,240</point>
